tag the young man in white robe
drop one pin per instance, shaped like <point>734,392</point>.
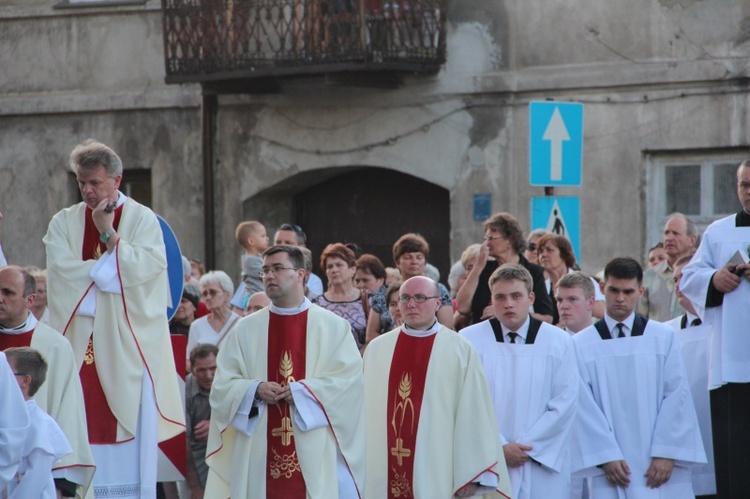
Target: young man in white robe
<point>648,437</point>
<point>716,282</point>
<point>532,364</point>
<point>61,395</point>
<point>108,295</point>
<point>431,427</point>
<point>287,415</point>
<point>694,338</point>
<point>14,423</point>
<point>575,296</point>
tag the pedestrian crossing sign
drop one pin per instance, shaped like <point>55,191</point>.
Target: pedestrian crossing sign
<point>560,215</point>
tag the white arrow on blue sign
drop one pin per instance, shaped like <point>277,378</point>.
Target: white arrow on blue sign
<point>556,143</point>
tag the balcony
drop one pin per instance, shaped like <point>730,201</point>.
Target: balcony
<point>246,41</point>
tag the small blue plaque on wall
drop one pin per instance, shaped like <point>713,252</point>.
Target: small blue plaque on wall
<point>482,206</point>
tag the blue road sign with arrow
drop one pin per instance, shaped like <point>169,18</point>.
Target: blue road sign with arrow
<point>556,143</point>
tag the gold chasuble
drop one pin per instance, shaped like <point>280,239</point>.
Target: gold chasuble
<point>274,457</point>
<point>130,336</point>
<point>405,389</point>
<point>287,337</point>
<point>431,425</point>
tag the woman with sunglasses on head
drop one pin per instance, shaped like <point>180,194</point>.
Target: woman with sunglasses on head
<point>410,254</point>
<point>217,290</point>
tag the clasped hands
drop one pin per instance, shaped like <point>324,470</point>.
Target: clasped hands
<point>272,393</point>
<point>657,474</point>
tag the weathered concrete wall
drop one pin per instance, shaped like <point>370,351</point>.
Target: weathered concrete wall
<point>657,75</point>
<point>73,74</point>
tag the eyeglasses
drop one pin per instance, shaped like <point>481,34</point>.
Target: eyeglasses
<point>416,298</point>
<point>19,374</point>
<point>210,292</point>
<point>492,238</point>
<point>275,269</point>
<point>532,246</point>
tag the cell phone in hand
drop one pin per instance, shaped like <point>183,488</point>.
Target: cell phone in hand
<point>110,207</point>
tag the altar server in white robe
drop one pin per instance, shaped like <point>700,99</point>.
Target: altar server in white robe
<point>286,404</point>
<point>14,423</point>
<point>694,338</point>
<point>431,428</point>
<point>633,369</point>
<point>716,282</point>
<point>108,295</point>
<point>532,364</point>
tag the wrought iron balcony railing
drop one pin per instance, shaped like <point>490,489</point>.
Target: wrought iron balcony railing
<point>215,40</point>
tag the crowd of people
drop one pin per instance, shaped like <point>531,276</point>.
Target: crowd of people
<point>524,378</point>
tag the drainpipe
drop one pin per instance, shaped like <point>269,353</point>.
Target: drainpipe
<point>209,109</point>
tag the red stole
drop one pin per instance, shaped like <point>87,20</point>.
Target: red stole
<point>101,423</point>
<point>15,340</point>
<point>287,347</point>
<point>406,381</point>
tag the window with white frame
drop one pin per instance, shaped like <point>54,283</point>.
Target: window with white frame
<point>703,186</point>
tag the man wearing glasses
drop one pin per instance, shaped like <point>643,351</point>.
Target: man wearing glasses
<point>287,400</point>
<point>431,428</point>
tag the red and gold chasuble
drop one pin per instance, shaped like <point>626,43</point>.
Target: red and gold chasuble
<point>102,424</point>
<point>406,382</point>
<point>15,340</point>
<point>287,346</point>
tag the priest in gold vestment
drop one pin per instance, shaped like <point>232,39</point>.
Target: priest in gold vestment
<point>286,404</point>
<point>431,429</point>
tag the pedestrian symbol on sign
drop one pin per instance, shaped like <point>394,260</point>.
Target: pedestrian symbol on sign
<point>556,223</point>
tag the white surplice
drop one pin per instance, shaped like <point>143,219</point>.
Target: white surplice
<point>730,341</point>
<point>14,423</point>
<point>45,444</point>
<point>534,388</point>
<point>640,385</point>
<point>694,345</point>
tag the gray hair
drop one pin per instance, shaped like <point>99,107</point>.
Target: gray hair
<point>690,228</point>
<point>220,278</point>
<point>456,270</point>
<point>432,272</point>
<point>187,269</point>
<point>92,154</point>
<point>536,233</point>
<point>469,253</point>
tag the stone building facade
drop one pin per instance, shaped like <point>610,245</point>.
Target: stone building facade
<point>664,83</point>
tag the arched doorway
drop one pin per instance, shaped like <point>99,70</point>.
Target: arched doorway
<point>369,206</point>
<point>373,207</point>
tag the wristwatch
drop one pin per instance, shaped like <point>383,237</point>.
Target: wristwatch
<point>104,237</point>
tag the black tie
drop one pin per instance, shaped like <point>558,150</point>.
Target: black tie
<point>696,322</point>
<point>621,327</point>
<point>512,335</point>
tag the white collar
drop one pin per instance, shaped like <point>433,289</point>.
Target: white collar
<point>25,327</point>
<point>628,322</point>
<point>290,311</point>
<point>521,331</point>
<point>420,333</point>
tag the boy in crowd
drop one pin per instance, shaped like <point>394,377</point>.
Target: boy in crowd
<point>45,441</point>
<point>254,240</point>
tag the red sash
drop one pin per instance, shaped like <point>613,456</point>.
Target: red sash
<point>406,381</point>
<point>100,420</point>
<point>287,346</point>
<point>15,340</point>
